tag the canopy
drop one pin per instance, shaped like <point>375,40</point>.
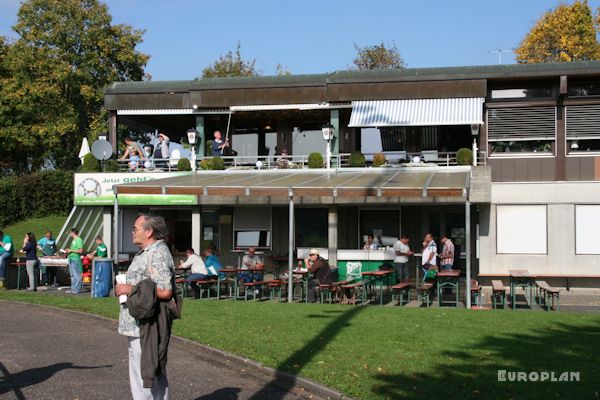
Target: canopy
<point>418,112</point>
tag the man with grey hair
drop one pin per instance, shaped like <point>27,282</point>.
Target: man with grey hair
<point>154,261</point>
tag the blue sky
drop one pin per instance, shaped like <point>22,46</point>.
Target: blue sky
<point>315,36</point>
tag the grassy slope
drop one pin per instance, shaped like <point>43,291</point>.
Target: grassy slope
<point>383,352</point>
<point>38,226</point>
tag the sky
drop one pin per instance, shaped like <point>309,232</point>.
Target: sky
<point>317,36</point>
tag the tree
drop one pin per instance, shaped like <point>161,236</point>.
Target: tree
<point>66,52</point>
<point>567,33</point>
<point>231,65</point>
<point>378,57</point>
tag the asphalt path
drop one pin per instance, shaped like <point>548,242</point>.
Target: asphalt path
<point>47,353</point>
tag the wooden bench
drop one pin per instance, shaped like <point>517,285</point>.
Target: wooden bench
<point>356,288</point>
<point>549,293</point>
<point>251,288</point>
<point>475,291</point>
<point>498,293</point>
<point>547,276</point>
<point>202,284</point>
<point>402,288</point>
<point>424,293</point>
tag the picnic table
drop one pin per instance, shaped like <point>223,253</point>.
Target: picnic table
<point>521,278</point>
<point>18,264</point>
<point>448,279</point>
<point>233,272</point>
<point>377,278</point>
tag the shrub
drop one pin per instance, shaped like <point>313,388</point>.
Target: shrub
<point>378,159</point>
<point>315,160</point>
<point>111,166</point>
<point>357,159</point>
<point>217,164</point>
<point>206,164</point>
<point>184,165</point>
<point>90,164</point>
<point>464,156</point>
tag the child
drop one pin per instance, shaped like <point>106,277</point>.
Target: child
<point>134,161</point>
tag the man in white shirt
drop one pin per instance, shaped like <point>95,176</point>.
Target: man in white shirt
<point>401,260</point>
<point>198,269</point>
<point>429,257</point>
<point>251,260</point>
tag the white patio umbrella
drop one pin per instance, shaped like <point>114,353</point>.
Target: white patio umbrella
<point>85,149</point>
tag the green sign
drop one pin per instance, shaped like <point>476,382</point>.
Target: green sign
<point>157,199</point>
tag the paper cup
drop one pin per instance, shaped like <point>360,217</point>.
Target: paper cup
<point>122,278</point>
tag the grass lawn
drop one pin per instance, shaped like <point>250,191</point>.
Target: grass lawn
<point>38,226</point>
<point>390,353</point>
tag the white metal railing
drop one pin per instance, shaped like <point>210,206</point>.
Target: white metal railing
<point>394,159</point>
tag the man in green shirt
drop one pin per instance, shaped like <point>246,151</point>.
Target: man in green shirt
<point>6,252</point>
<point>75,266</point>
<point>101,249</point>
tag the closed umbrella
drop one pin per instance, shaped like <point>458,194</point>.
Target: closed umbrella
<point>85,149</point>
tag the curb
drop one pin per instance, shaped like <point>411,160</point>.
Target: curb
<point>281,379</point>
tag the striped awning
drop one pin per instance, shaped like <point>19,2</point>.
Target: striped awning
<point>277,107</point>
<point>418,112</point>
<point>174,111</point>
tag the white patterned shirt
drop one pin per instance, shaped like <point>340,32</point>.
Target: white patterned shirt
<point>154,262</point>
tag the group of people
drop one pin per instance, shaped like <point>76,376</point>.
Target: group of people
<point>200,267</point>
<point>136,157</point>
<point>430,258</point>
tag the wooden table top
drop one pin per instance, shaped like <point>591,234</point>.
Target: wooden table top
<point>378,272</point>
<point>519,273</point>
<point>449,273</point>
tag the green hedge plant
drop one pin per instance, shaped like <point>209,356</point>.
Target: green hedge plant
<point>356,159</point>
<point>111,166</point>
<point>315,160</point>
<point>217,164</point>
<point>90,164</point>
<point>464,156</point>
<point>206,164</point>
<point>378,159</point>
<point>184,165</point>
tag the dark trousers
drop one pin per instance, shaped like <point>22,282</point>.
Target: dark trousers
<point>313,285</point>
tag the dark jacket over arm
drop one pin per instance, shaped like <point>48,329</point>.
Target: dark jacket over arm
<point>321,271</point>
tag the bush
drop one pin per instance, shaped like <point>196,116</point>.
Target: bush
<point>35,195</point>
<point>357,159</point>
<point>111,166</point>
<point>464,156</point>
<point>217,164</point>
<point>378,159</point>
<point>315,160</point>
<point>184,165</point>
<point>206,164</point>
<point>90,164</point>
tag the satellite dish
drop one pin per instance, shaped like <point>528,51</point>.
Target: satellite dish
<point>102,150</point>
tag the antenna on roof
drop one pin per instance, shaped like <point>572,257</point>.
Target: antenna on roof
<point>499,52</point>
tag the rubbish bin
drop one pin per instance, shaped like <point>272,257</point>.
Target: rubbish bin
<point>101,276</point>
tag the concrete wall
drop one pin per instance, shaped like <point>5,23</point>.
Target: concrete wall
<point>560,198</point>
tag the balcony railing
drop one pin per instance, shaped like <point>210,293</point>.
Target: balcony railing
<point>393,160</point>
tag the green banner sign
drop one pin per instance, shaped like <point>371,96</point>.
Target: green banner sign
<point>157,199</point>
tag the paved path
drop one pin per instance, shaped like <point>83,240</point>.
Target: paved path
<point>52,354</point>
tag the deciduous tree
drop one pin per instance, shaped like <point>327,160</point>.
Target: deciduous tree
<point>231,65</point>
<point>378,57</point>
<point>567,33</point>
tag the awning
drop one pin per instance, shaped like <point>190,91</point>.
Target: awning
<point>364,186</point>
<point>276,107</point>
<point>174,111</point>
<point>418,112</point>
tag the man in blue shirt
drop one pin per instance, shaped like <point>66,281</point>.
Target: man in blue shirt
<point>218,146</point>
<point>6,252</point>
<point>47,245</point>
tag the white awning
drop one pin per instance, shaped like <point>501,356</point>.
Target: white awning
<point>174,111</point>
<point>418,112</point>
<point>275,107</point>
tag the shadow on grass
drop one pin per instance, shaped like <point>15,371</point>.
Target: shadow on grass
<point>473,372</point>
<point>33,376</point>
<point>297,360</point>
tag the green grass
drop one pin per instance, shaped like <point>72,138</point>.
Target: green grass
<point>389,353</point>
<point>38,226</point>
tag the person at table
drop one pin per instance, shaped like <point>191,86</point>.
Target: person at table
<point>6,252</point>
<point>429,253</point>
<point>101,249</point>
<point>251,260</point>
<point>31,260</point>
<point>447,254</point>
<point>47,245</point>
<point>370,244</point>
<point>75,265</point>
<point>402,251</point>
<point>196,266</point>
<point>218,146</point>
<point>212,262</point>
<point>321,273</point>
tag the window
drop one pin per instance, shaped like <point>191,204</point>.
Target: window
<point>581,89</point>
<point>519,93</point>
<point>306,142</point>
<point>252,227</point>
<point>583,128</point>
<point>587,220</point>
<point>522,130</point>
<point>521,229</point>
<point>311,227</point>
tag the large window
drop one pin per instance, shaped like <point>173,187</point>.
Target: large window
<point>252,227</point>
<point>583,129</point>
<point>521,130</point>
<point>521,229</point>
<point>587,221</point>
<point>311,227</point>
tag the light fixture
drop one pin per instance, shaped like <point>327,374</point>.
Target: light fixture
<point>192,135</point>
<point>268,127</point>
<point>328,132</point>
<point>259,164</point>
<point>195,107</point>
<point>148,151</point>
<point>574,145</point>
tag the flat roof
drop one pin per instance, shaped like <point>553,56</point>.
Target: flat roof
<point>406,185</point>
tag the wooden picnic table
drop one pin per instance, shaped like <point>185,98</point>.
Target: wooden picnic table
<point>18,264</point>
<point>448,279</point>
<point>376,278</point>
<point>521,278</point>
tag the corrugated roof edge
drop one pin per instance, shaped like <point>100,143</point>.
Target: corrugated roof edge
<point>356,76</point>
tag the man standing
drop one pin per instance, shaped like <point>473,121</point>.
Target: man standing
<point>321,271</point>
<point>154,261</point>
<point>218,146</point>
<point>447,254</point>
<point>161,150</point>
<point>75,265</point>
<point>6,252</point>
<point>428,259</point>
<point>401,260</point>
<point>47,245</point>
